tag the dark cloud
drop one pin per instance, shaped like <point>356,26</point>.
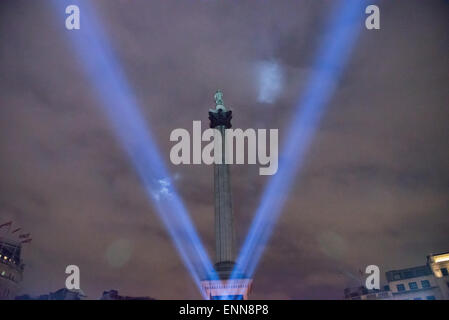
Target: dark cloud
<point>374,188</point>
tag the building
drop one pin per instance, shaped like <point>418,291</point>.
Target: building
<point>439,264</point>
<point>11,268</point>
<point>224,288</point>
<point>66,294</point>
<point>417,283</point>
<point>113,295</point>
<point>362,293</point>
<point>61,294</point>
<point>426,282</point>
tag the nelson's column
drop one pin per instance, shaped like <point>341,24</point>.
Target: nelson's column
<point>224,288</point>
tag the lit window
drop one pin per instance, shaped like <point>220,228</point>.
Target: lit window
<point>425,283</point>
<point>413,285</point>
<point>400,287</point>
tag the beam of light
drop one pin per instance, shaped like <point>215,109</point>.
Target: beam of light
<point>270,80</point>
<point>122,109</point>
<point>332,56</point>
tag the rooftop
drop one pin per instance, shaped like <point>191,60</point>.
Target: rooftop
<point>420,271</point>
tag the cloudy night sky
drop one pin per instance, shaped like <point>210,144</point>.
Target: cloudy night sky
<point>373,188</point>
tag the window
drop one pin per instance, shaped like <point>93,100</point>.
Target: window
<point>425,283</point>
<point>413,285</point>
<point>430,298</point>
<point>400,287</point>
<point>417,298</point>
<point>386,288</point>
<point>444,272</point>
<point>421,272</point>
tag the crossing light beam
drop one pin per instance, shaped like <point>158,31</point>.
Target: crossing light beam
<point>333,54</point>
<point>122,109</point>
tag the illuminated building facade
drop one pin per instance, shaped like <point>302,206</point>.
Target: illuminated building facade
<point>417,283</point>
<point>439,264</point>
<point>224,288</point>
<point>426,282</point>
<point>11,268</point>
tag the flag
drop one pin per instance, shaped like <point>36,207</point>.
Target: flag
<point>16,230</point>
<point>7,224</point>
<point>24,236</point>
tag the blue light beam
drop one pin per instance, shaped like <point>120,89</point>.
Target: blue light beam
<point>122,109</point>
<point>333,54</point>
